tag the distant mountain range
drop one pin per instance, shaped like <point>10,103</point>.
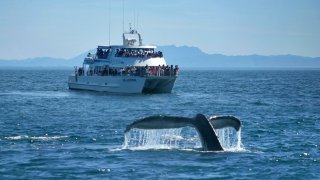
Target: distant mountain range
<point>185,57</point>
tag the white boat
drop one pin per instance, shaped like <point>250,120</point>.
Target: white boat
<point>130,68</point>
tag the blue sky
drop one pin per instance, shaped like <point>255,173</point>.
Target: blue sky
<point>66,28</point>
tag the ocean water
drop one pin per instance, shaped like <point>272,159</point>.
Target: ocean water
<point>48,131</point>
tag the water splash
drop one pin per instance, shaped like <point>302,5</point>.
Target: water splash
<point>230,139</point>
<point>180,138</point>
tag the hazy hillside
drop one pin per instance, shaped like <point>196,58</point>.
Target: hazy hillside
<point>186,56</point>
<point>194,57</point>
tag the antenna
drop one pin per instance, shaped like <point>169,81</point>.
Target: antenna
<point>109,22</point>
<point>123,16</point>
<point>137,21</point>
<point>134,19</point>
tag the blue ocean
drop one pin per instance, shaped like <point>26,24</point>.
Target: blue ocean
<point>49,131</point>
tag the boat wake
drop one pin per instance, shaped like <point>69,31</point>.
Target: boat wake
<point>45,94</point>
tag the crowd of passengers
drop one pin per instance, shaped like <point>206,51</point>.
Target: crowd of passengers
<point>138,53</point>
<point>132,71</point>
<point>103,54</point>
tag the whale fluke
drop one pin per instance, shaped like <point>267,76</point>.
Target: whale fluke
<point>204,126</point>
<point>219,122</point>
<point>160,122</point>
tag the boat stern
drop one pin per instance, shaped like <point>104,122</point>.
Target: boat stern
<point>163,84</point>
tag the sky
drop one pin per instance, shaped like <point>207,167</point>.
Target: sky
<point>67,28</point>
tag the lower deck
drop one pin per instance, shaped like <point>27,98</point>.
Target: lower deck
<point>123,84</point>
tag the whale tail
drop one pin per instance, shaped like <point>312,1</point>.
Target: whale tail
<point>160,122</point>
<point>204,126</point>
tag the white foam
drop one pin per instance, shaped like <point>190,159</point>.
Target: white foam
<point>47,138</point>
<point>17,137</point>
<point>42,138</point>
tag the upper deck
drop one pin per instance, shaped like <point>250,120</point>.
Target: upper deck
<point>131,53</point>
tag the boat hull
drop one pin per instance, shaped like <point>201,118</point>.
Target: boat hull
<point>156,84</point>
<point>122,84</point>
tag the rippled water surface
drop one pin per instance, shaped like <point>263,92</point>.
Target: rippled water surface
<point>48,131</point>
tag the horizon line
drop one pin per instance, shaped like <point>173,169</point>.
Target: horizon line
<point>176,46</point>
